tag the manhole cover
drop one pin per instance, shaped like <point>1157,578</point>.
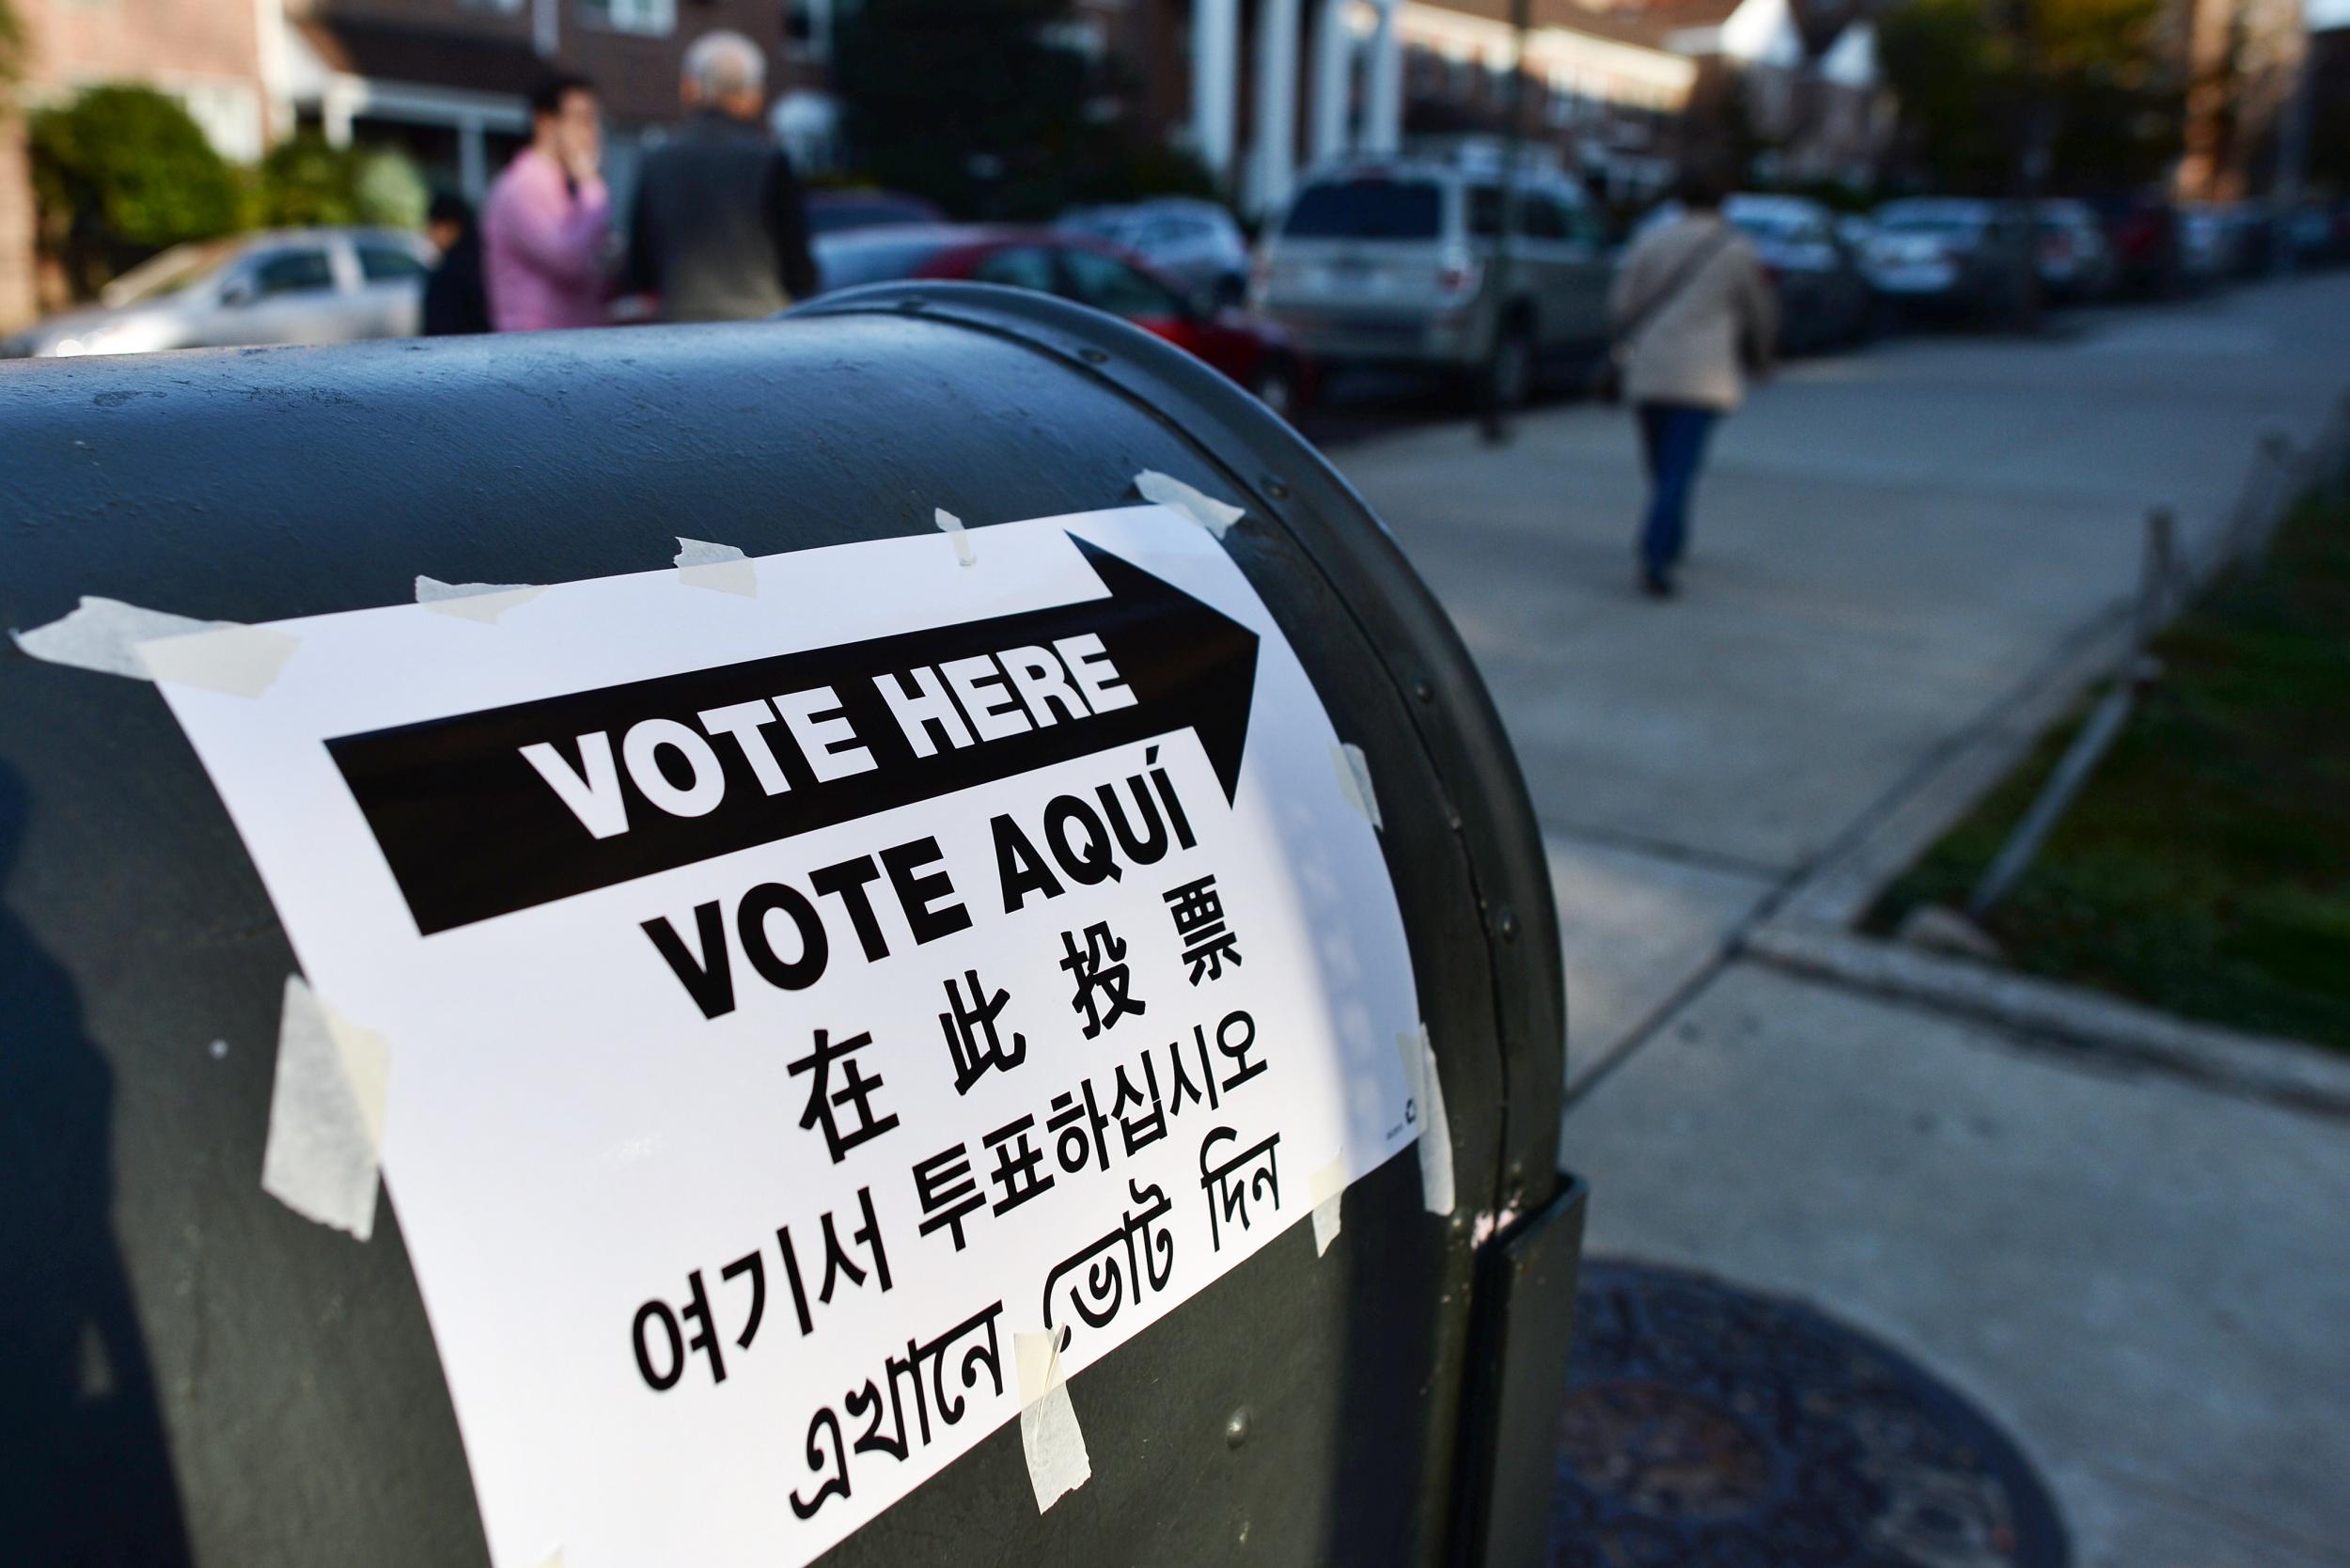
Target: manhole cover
<point>1707,1427</point>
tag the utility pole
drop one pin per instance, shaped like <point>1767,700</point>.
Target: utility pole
<point>2293,147</point>
<point>1495,424</point>
<point>2032,161</point>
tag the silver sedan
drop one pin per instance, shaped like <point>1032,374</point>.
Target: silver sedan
<point>293,286</point>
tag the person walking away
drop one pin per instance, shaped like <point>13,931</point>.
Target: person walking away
<point>454,299</point>
<point>1693,313</point>
<point>546,226</point>
<point>719,229</point>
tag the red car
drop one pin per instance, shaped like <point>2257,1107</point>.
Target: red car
<point>1251,350</point>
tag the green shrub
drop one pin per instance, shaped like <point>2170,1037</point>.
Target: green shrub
<point>304,182</point>
<point>11,46</point>
<point>121,172</point>
<point>389,190</point>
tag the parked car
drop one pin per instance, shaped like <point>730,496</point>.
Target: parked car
<point>1948,253</point>
<point>293,286</point>
<point>1391,263</point>
<point>831,212</point>
<point>1194,243</point>
<point>1253,351</point>
<point>2207,245</point>
<point>2143,231</point>
<point>2313,234</point>
<point>2075,260</point>
<point>1823,296</point>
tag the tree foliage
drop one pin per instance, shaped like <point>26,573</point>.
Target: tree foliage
<point>964,102</point>
<point>120,172</point>
<point>979,106</point>
<point>11,50</point>
<point>1975,77</point>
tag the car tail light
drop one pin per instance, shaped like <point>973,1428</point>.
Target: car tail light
<point>1459,275</point>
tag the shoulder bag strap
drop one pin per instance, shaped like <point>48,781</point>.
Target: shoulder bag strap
<point>1682,276</point>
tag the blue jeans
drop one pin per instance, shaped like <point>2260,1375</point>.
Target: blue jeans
<point>1672,438</point>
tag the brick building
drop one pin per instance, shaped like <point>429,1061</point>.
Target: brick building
<point>1257,88</point>
<point>208,55</point>
<point>446,81</point>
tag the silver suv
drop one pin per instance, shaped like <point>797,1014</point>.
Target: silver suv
<point>1391,263</point>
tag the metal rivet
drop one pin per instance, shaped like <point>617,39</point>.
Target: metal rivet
<point>1275,487</point>
<point>1236,1428</point>
<point>1423,691</point>
<point>1093,356</point>
<point>1506,922</point>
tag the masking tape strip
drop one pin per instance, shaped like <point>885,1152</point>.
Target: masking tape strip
<point>482,601</point>
<point>721,567</point>
<point>116,638</point>
<point>1437,1192</point>
<point>1056,1449</point>
<point>103,635</point>
<point>327,1114</point>
<point>952,527</point>
<point>1354,781</point>
<point>242,661</point>
<point>1328,1191</point>
<point>1165,490</point>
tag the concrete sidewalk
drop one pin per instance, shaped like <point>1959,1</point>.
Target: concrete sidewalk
<point>1888,548</point>
<point>2144,1280</point>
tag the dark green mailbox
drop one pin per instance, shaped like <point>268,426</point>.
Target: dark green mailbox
<point>895,936</point>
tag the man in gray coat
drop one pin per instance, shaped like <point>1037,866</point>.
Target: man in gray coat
<point>719,230</point>
<point>1693,314</point>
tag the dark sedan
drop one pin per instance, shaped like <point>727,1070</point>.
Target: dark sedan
<point>1253,351</point>
<point>1957,254</point>
<point>1824,299</point>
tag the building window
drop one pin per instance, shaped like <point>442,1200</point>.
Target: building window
<point>652,18</point>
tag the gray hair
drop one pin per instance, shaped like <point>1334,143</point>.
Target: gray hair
<point>723,63</point>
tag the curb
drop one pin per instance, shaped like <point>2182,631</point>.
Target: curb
<point>2264,1067</point>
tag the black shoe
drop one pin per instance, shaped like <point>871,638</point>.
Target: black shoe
<point>1656,583</point>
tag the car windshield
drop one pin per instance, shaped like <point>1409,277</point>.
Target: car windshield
<point>844,265</point>
<point>174,270</point>
<point>1937,222</point>
<point>1768,224</point>
<point>1367,209</point>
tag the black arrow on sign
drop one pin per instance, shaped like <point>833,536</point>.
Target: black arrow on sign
<point>471,830</point>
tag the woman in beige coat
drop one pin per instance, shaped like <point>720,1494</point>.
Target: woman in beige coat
<point>1692,312</point>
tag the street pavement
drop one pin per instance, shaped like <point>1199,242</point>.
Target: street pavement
<point>2145,1279</point>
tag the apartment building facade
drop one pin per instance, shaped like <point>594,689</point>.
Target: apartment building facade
<point>1258,90</point>
<point>445,81</point>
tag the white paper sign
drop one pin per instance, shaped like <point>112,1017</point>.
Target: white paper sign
<point>792,995</point>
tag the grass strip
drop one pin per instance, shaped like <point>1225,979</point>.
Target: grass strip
<point>2206,868</point>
